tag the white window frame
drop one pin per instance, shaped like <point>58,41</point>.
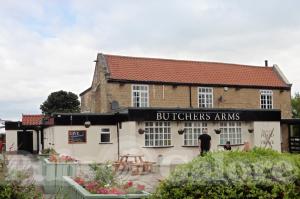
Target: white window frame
<point>206,93</point>
<point>140,92</point>
<point>192,131</point>
<point>268,97</point>
<point>158,134</point>
<point>231,131</point>
<point>101,132</point>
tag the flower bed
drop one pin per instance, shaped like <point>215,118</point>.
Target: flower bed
<point>53,170</point>
<point>73,190</point>
<point>102,182</point>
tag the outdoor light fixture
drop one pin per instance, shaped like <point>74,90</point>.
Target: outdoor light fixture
<point>141,131</point>
<point>217,131</point>
<point>181,131</point>
<point>87,124</point>
<point>250,130</point>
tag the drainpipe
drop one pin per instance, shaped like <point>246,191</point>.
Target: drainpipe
<point>38,140</point>
<point>190,90</point>
<point>118,140</point>
<point>42,138</point>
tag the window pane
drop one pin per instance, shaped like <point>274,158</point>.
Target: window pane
<point>105,137</point>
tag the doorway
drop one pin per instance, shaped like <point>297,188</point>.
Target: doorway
<point>25,141</point>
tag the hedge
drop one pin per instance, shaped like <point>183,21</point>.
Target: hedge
<point>260,173</point>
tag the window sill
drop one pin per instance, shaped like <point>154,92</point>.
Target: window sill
<point>231,145</point>
<point>105,143</point>
<point>190,146</point>
<point>157,147</point>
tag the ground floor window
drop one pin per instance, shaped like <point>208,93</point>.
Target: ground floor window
<point>105,135</point>
<point>192,130</point>
<point>157,134</point>
<point>231,131</point>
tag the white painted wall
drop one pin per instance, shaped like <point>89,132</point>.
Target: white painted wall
<point>57,137</point>
<point>11,140</point>
<point>267,134</point>
<point>133,143</point>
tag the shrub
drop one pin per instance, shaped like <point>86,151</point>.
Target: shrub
<point>18,185</point>
<point>260,173</point>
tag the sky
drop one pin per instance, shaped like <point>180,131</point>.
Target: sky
<point>50,45</point>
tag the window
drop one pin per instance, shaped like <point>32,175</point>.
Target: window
<point>105,135</point>
<point>231,131</point>
<point>266,99</point>
<point>140,96</point>
<point>77,137</point>
<point>192,132</point>
<point>205,97</point>
<point>157,134</point>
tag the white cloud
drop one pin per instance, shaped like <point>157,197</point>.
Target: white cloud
<point>50,45</point>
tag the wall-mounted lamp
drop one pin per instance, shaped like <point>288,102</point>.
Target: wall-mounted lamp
<point>181,131</point>
<point>217,131</point>
<point>141,131</point>
<point>87,124</point>
<point>225,88</point>
<point>250,130</point>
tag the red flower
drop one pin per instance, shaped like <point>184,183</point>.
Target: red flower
<point>103,190</point>
<point>91,186</point>
<point>129,183</point>
<point>140,187</point>
<point>116,191</point>
<point>79,180</point>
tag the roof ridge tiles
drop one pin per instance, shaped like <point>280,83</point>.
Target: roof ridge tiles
<point>191,61</point>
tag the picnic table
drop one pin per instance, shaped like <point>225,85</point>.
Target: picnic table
<point>133,163</point>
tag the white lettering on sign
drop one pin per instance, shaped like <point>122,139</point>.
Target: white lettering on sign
<point>197,116</point>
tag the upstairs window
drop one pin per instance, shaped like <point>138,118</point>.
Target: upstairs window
<point>140,96</point>
<point>266,99</point>
<point>105,135</point>
<point>205,97</point>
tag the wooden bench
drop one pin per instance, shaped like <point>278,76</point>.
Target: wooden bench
<point>136,168</point>
<point>148,166</point>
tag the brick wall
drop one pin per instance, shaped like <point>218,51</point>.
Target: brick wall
<point>102,93</point>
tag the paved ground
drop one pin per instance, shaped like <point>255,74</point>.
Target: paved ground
<point>32,165</point>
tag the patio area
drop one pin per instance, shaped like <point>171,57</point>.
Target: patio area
<point>32,164</point>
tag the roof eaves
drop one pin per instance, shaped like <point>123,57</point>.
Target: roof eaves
<point>85,91</point>
<point>287,87</point>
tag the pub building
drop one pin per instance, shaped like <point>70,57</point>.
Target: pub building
<point>159,107</point>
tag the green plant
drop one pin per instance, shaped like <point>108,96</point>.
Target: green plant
<point>260,173</point>
<point>49,151</point>
<point>103,174</point>
<point>18,185</point>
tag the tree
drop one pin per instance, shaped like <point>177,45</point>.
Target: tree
<point>61,102</point>
<point>296,105</point>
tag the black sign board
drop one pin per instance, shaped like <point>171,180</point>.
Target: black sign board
<point>77,136</point>
<point>203,115</point>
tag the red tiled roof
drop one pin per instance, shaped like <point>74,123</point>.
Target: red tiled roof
<point>191,72</point>
<point>35,120</point>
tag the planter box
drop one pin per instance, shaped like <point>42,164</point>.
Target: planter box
<point>72,190</point>
<point>53,174</point>
<point>43,156</point>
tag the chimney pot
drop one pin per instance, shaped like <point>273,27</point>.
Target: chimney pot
<point>266,63</point>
